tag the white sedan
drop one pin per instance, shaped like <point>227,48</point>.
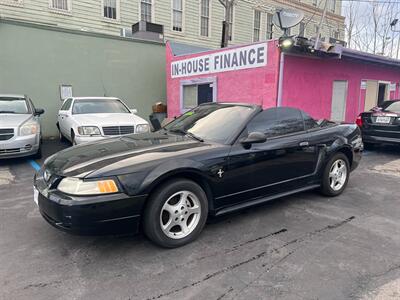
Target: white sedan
<point>87,119</point>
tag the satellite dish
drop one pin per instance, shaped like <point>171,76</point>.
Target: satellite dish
<point>288,17</point>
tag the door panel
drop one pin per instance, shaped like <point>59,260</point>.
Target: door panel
<point>278,165</point>
<point>339,97</point>
<point>371,96</point>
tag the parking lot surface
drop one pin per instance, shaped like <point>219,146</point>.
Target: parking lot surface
<point>300,247</point>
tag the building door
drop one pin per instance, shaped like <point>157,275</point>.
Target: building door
<point>204,93</point>
<point>383,92</point>
<point>371,95</point>
<point>339,97</point>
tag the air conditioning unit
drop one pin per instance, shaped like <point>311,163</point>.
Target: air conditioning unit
<point>126,32</point>
<point>336,41</point>
<point>147,31</point>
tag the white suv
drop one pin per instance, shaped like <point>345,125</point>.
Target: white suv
<point>87,119</point>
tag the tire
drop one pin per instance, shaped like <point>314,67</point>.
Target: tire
<point>175,203</point>
<point>328,187</point>
<point>73,142</point>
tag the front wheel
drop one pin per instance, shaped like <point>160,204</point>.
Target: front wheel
<point>176,213</point>
<point>336,175</point>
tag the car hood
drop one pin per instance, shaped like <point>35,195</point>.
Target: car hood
<point>108,119</point>
<point>13,120</point>
<point>121,155</point>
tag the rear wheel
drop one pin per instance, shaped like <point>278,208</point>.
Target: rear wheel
<point>176,213</point>
<point>336,175</point>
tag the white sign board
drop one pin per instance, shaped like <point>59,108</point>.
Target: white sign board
<point>253,56</point>
<point>65,91</point>
<point>363,85</point>
<point>392,87</point>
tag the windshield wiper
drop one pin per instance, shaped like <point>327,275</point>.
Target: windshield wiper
<point>192,135</point>
<point>7,112</point>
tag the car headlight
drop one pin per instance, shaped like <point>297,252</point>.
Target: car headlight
<point>29,128</point>
<point>76,186</point>
<point>89,130</point>
<point>141,128</point>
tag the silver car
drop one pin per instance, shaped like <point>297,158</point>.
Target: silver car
<point>20,133</point>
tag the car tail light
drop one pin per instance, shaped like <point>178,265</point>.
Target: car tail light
<point>359,121</point>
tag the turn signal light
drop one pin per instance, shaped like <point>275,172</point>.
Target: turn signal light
<point>359,121</point>
<point>107,186</point>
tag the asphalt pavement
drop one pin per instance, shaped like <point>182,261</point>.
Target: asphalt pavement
<point>304,246</point>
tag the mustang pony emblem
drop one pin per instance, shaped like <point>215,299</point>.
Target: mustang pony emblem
<point>220,173</point>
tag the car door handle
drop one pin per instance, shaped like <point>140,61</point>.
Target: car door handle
<point>303,144</point>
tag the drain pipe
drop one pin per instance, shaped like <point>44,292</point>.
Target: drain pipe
<point>280,79</point>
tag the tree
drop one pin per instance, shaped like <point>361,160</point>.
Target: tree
<point>368,26</point>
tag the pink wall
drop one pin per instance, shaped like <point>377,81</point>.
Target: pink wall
<point>257,85</point>
<point>308,83</point>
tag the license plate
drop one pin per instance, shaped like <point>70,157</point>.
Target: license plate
<point>384,120</point>
<point>36,196</point>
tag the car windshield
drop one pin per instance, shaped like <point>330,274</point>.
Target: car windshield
<point>10,105</point>
<point>393,106</point>
<point>212,122</point>
<point>98,106</point>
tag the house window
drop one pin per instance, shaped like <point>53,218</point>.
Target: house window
<point>110,9</point>
<point>302,28</point>
<point>257,23</point>
<point>204,17</point>
<point>12,2</point>
<point>332,5</point>
<point>145,10</point>
<point>60,4</point>
<point>269,26</point>
<point>196,92</point>
<point>177,15</point>
<point>336,34</point>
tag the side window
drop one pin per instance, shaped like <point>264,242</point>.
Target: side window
<point>277,121</point>
<point>309,123</point>
<point>66,105</point>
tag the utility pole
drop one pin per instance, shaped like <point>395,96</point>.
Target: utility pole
<point>316,45</point>
<point>228,5</point>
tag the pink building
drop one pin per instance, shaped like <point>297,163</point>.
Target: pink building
<point>335,86</point>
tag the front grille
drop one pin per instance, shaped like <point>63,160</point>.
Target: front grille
<point>118,130</point>
<point>6,133</point>
<point>13,150</point>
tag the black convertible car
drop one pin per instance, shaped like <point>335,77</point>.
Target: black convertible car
<point>212,160</point>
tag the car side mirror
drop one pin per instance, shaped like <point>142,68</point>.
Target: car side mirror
<point>133,110</point>
<point>38,111</point>
<point>254,138</point>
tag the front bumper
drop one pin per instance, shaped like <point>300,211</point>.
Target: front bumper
<point>81,139</point>
<point>114,213</point>
<point>20,146</point>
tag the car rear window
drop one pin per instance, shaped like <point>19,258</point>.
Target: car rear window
<point>392,106</point>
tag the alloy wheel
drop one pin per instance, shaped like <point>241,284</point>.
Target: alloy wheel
<point>337,174</point>
<point>180,215</point>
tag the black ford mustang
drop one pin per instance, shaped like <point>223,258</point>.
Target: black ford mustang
<point>214,159</point>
